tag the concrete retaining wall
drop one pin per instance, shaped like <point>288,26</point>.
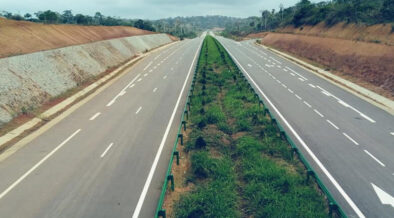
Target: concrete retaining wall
<point>27,81</point>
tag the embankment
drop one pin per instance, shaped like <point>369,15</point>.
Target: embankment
<point>379,33</point>
<point>367,64</point>
<point>22,37</point>
<point>30,80</point>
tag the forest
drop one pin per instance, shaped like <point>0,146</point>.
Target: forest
<point>305,12</point>
<point>67,17</point>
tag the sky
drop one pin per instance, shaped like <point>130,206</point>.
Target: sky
<point>147,9</point>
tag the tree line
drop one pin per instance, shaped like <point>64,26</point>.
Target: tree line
<point>67,17</point>
<point>305,12</point>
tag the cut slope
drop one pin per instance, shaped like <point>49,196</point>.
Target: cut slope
<point>380,33</point>
<point>21,37</point>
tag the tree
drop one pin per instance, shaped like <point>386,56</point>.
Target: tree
<point>145,25</point>
<point>68,17</point>
<point>27,16</point>
<point>48,16</point>
<point>387,11</point>
<point>281,11</point>
<point>98,18</point>
<point>83,20</point>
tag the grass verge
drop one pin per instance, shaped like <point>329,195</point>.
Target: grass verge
<point>236,163</point>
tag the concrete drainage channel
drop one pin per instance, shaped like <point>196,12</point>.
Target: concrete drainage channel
<point>97,86</point>
<point>334,209</point>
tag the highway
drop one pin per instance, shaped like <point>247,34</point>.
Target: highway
<point>109,157</point>
<point>348,141</point>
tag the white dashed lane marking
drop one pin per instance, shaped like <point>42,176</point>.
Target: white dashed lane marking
<point>316,111</point>
<point>376,159</point>
<point>332,124</point>
<point>307,104</point>
<point>350,138</point>
<point>139,109</point>
<point>106,150</point>
<point>95,116</point>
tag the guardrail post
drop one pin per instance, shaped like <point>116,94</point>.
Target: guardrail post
<point>273,121</point>
<point>187,114</point>
<point>162,213</point>
<point>308,174</point>
<point>176,153</point>
<point>332,207</point>
<point>171,178</point>
<point>295,151</point>
<point>266,111</point>
<point>184,125</point>
<point>180,135</point>
<point>283,135</point>
<point>261,103</point>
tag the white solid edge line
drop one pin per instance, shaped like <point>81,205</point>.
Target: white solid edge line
<point>139,109</point>
<point>106,150</point>
<point>95,116</point>
<point>332,124</point>
<point>350,138</point>
<point>13,185</point>
<point>313,156</point>
<point>376,159</point>
<point>157,157</point>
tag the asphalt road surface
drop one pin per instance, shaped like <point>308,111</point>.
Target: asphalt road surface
<point>348,141</point>
<point>109,157</point>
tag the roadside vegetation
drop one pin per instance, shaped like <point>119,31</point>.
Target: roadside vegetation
<point>67,17</point>
<point>368,12</point>
<point>238,165</point>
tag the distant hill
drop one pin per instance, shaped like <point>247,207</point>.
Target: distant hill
<point>190,26</point>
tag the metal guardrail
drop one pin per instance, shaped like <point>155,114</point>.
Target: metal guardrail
<point>160,212</point>
<point>332,204</point>
<point>334,208</point>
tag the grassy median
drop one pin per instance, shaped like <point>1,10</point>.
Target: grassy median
<point>237,163</point>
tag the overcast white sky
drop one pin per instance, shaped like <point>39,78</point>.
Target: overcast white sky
<point>147,9</point>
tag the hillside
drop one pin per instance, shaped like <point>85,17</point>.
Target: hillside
<point>21,37</point>
<point>379,33</point>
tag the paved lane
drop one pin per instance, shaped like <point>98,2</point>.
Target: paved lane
<point>96,161</point>
<point>347,140</point>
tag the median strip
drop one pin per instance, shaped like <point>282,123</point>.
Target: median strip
<point>236,160</point>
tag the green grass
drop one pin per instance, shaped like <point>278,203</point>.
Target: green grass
<point>240,166</point>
